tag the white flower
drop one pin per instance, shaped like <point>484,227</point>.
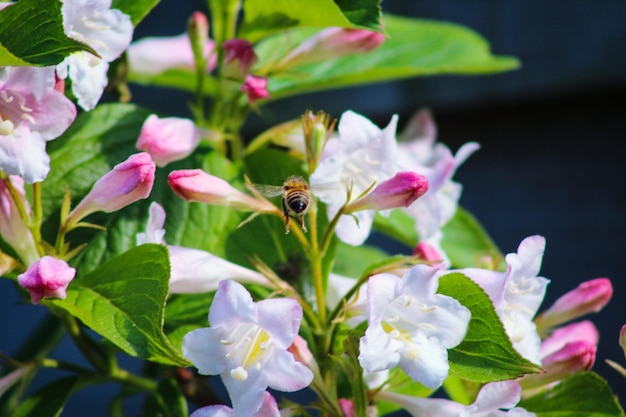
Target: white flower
<point>411,326</point>
<point>361,155</point>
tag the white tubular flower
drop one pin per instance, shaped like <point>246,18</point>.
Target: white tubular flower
<point>412,326</point>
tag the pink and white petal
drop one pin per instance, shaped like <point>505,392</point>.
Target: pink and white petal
<point>23,153</point>
<point>89,77</point>
<point>232,305</point>
<point>425,360</point>
<point>281,318</point>
<point>154,229</point>
<point>495,395</point>
<point>421,281</point>
<point>203,348</point>
<point>285,374</point>
<point>381,291</point>
<point>426,407</point>
<point>154,55</point>
<point>492,282</point>
<point>32,81</point>
<point>53,115</point>
<point>378,351</point>
<point>449,318</point>
<point>353,233</point>
<point>213,411</point>
<point>246,396</point>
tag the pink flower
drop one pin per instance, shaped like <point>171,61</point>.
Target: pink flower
<point>128,182</point>
<point>197,185</point>
<point>47,278</point>
<point>590,296</point>
<point>269,408</point>
<point>154,55</point>
<point>168,139</point>
<point>255,88</point>
<point>399,191</point>
<point>31,113</point>
<point>427,252</point>
<point>347,407</point>
<point>332,43</point>
<point>13,228</point>
<point>239,57</point>
<point>301,353</point>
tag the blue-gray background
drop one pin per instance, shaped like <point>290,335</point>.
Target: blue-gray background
<point>552,136</point>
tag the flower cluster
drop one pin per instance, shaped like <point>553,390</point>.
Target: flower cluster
<point>319,308</point>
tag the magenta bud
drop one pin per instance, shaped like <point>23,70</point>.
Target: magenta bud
<point>399,191</point>
<point>239,57</point>
<point>197,185</point>
<point>47,278</point>
<point>168,139</point>
<point>427,252</point>
<point>128,182</point>
<point>255,88</point>
<point>590,296</point>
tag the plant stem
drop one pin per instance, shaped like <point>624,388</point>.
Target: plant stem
<point>315,258</point>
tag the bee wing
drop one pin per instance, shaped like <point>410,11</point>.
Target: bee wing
<point>329,190</point>
<point>269,190</point>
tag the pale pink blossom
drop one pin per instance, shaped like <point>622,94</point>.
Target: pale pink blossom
<point>239,57</point>
<point>197,185</point>
<point>589,296</point>
<point>154,55</point>
<point>194,270</point>
<point>269,408</point>
<point>359,156</point>
<point>332,43</point>
<point>411,326</point>
<point>400,190</point>
<point>126,183</point>
<point>32,112</point>
<point>517,294</point>
<point>47,278</point>
<point>168,139</point>
<point>417,151</point>
<point>247,346</point>
<point>255,88</point>
<point>492,401</point>
<point>108,31</point>
<point>13,228</point>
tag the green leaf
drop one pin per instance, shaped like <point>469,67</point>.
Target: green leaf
<point>49,400</point>
<point>353,261</point>
<point>124,301</point>
<point>582,395</point>
<point>184,313</point>
<point>414,48</point>
<point>486,354</point>
<point>263,17</point>
<point>168,401</point>
<point>136,9</point>
<point>31,33</point>
<point>398,225</point>
<point>466,242</point>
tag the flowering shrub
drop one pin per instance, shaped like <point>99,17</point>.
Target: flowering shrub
<point>177,242</point>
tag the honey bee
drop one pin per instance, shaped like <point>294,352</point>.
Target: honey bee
<point>296,197</point>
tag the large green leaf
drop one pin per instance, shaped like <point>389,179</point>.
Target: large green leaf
<point>262,17</point>
<point>124,301</point>
<point>31,33</point>
<point>49,400</point>
<point>486,354</point>
<point>582,395</point>
<point>184,313</point>
<point>465,242</point>
<point>136,9</point>
<point>414,48</point>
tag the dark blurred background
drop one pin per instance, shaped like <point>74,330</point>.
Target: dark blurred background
<point>552,136</point>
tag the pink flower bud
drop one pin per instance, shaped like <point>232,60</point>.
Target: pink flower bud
<point>301,353</point>
<point>47,278</point>
<point>128,182</point>
<point>12,227</point>
<point>255,88</point>
<point>197,185</point>
<point>332,43</point>
<point>590,296</point>
<point>239,57</point>
<point>427,252</point>
<point>347,407</point>
<point>168,139</point>
<point>399,191</point>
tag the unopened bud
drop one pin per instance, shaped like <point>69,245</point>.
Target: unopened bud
<point>13,228</point>
<point>168,139</point>
<point>239,57</point>
<point>198,32</point>
<point>47,278</point>
<point>126,183</point>
<point>590,296</point>
<point>255,88</point>
<point>197,185</point>
<point>427,252</point>
<point>399,191</point>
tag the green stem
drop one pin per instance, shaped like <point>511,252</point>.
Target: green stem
<point>315,258</point>
<point>87,347</point>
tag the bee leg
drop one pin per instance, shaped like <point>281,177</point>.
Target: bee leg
<point>286,215</point>
<point>301,222</point>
